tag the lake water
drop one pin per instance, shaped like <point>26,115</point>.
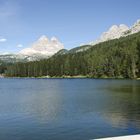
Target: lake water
<point>68,109</point>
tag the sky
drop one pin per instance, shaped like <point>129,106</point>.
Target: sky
<point>73,22</point>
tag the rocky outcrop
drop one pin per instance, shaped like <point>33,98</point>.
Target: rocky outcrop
<point>43,46</point>
<point>118,31</point>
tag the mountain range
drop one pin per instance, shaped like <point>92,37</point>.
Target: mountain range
<point>117,58</point>
<point>44,48</point>
<point>116,32</point>
<point>41,49</point>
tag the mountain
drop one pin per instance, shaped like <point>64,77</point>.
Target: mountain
<point>41,49</point>
<point>116,32</point>
<point>135,28</point>
<point>79,49</point>
<point>61,52</point>
<point>117,58</point>
<point>43,46</point>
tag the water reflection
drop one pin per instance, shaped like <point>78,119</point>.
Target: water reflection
<point>125,108</point>
<point>32,98</point>
<point>44,104</point>
<point>68,108</point>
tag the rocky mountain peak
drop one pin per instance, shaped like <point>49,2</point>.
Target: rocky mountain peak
<point>42,38</point>
<point>113,32</point>
<point>123,27</point>
<point>137,23</point>
<point>117,31</point>
<point>43,46</point>
<point>54,39</point>
<point>136,27</point>
<point>113,28</point>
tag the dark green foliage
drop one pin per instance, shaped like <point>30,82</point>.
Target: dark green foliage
<point>3,67</point>
<point>119,58</point>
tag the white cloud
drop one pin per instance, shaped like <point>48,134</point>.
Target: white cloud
<point>19,45</point>
<point>3,39</point>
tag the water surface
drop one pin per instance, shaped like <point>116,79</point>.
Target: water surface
<point>68,109</point>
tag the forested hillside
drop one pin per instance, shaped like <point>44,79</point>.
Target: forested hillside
<point>119,58</point>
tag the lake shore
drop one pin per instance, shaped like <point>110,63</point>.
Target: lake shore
<point>72,77</point>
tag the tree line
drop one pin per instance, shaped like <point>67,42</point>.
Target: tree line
<point>119,58</point>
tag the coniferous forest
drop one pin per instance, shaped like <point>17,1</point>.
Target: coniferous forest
<point>119,58</point>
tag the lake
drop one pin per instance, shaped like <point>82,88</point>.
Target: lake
<point>68,109</point>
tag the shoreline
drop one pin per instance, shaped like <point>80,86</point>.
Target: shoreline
<point>72,77</point>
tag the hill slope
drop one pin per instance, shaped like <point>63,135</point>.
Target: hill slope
<point>119,58</point>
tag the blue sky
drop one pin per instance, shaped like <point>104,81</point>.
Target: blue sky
<point>73,22</point>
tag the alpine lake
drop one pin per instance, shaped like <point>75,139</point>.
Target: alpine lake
<point>68,109</point>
